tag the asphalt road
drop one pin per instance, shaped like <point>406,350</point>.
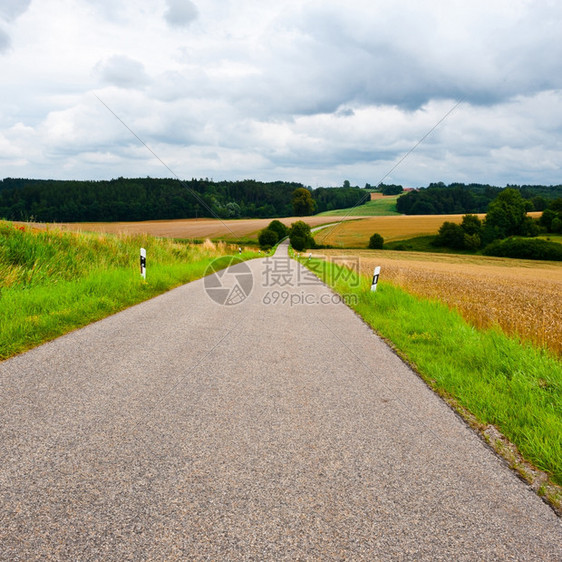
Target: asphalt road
<point>280,428</point>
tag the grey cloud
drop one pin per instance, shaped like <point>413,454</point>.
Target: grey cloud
<point>11,9</point>
<point>4,41</point>
<point>180,13</point>
<point>328,62</point>
<point>123,72</point>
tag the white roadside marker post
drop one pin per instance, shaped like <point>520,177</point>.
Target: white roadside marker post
<point>375,278</point>
<point>143,263</point>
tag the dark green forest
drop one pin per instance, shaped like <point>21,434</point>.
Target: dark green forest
<point>137,199</point>
<point>459,198</point>
<point>151,199</point>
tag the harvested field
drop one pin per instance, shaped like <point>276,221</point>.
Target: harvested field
<point>523,297</point>
<point>190,228</point>
<point>356,234</point>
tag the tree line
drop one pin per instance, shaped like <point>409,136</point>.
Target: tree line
<point>139,199</point>
<point>136,199</point>
<point>507,230</point>
<point>459,198</point>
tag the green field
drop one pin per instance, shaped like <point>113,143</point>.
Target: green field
<point>551,237</point>
<point>52,282</point>
<point>375,208</point>
<point>493,377</point>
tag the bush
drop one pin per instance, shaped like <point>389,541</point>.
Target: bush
<point>298,242</point>
<point>530,227</point>
<point>278,227</point>
<point>471,225</point>
<point>391,189</point>
<point>376,242</point>
<point>546,219</point>
<point>300,236</point>
<point>450,235</point>
<point>267,238</point>
<point>529,249</point>
<point>472,242</point>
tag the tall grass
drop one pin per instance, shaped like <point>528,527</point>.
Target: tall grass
<point>501,381</point>
<point>52,282</point>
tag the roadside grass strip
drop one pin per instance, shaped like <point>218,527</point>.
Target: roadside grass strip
<point>53,282</point>
<point>501,381</point>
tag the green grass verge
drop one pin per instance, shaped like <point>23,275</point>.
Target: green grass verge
<point>502,382</point>
<point>54,282</point>
<point>374,208</point>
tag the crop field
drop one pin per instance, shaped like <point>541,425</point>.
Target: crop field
<point>379,205</point>
<point>522,297</point>
<point>356,234</point>
<point>189,228</point>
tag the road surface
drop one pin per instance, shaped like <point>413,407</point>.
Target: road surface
<point>181,429</point>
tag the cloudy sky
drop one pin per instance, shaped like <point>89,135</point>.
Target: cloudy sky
<point>316,91</point>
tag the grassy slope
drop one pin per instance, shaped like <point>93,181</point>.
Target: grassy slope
<point>515,387</point>
<point>377,207</point>
<point>52,282</point>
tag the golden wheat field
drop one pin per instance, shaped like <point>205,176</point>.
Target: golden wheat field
<point>523,297</point>
<point>190,228</point>
<point>356,234</point>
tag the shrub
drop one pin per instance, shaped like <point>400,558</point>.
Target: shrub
<point>267,238</point>
<point>472,242</point>
<point>298,242</point>
<point>376,242</point>
<point>278,227</point>
<point>471,224</point>
<point>450,235</point>
<point>546,219</point>
<point>530,249</point>
<point>300,236</point>
<point>530,227</point>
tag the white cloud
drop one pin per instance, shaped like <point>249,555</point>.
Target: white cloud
<point>313,90</point>
<point>180,13</point>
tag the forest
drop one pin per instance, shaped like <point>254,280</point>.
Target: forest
<point>139,199</point>
<point>459,198</point>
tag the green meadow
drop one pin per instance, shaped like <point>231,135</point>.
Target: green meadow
<point>52,282</point>
<point>375,208</point>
